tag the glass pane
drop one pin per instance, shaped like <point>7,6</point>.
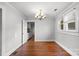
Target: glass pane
<point>71,26</point>
<point>62,27</point>
<point>61,24</point>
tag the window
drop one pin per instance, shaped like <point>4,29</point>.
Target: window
<point>61,25</point>
<point>71,26</point>
<point>70,21</point>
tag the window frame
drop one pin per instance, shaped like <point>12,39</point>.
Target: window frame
<point>69,21</point>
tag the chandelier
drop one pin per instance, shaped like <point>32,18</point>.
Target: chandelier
<point>40,15</point>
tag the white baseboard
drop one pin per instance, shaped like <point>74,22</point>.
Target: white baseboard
<point>44,40</point>
<point>10,52</point>
<point>68,50</point>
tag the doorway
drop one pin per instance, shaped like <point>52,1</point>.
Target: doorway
<point>31,30</point>
<point>0,31</point>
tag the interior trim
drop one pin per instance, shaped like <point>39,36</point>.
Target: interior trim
<point>66,49</point>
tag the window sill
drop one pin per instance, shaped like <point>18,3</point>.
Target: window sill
<point>73,33</point>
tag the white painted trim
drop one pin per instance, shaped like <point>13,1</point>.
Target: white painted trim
<point>44,40</point>
<point>3,29</point>
<point>66,9</point>
<point>10,52</point>
<point>65,48</point>
<point>70,11</point>
<point>69,33</point>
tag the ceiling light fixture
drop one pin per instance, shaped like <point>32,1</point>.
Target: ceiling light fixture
<point>40,15</point>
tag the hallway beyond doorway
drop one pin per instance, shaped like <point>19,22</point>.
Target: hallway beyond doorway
<point>31,30</point>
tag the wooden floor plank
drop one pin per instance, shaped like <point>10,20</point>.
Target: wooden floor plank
<point>32,48</point>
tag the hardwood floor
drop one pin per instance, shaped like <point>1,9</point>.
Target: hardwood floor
<point>32,48</point>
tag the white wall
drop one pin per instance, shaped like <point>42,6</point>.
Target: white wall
<point>69,40</point>
<point>11,36</point>
<point>44,30</point>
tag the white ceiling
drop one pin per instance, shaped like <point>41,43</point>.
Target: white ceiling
<point>30,8</point>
